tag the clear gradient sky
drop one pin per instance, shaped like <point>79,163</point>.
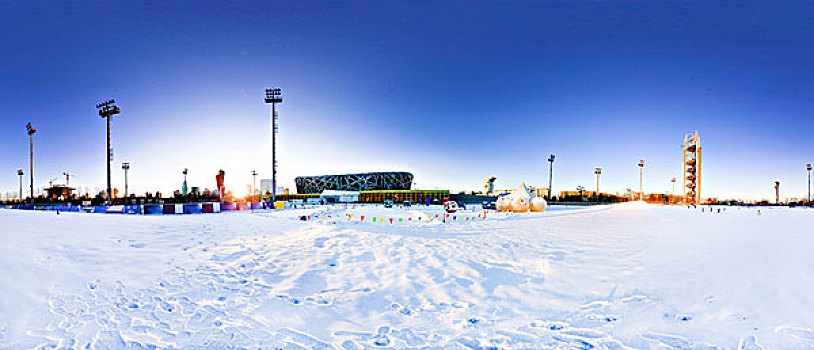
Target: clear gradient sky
<point>452,91</point>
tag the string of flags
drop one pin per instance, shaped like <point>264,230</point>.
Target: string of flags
<point>444,217</point>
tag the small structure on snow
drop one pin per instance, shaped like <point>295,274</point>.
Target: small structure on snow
<point>521,200</point>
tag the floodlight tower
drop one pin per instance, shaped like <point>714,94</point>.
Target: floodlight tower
<point>20,173</point>
<point>274,96</point>
<point>254,182</point>
<point>808,167</point>
<point>641,173</point>
<point>692,167</point>
<point>31,130</point>
<point>125,167</point>
<point>597,171</point>
<point>550,170</point>
<point>107,110</point>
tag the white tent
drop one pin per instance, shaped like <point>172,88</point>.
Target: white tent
<point>521,200</point>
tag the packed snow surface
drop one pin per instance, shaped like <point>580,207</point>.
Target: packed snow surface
<point>629,276</point>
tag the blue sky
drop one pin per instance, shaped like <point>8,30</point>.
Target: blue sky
<point>452,91</point>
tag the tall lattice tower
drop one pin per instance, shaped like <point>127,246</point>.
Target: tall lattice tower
<point>692,168</point>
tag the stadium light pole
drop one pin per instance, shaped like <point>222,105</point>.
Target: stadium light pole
<point>125,167</point>
<point>107,110</point>
<point>808,167</point>
<point>31,130</point>
<point>254,182</point>
<point>597,171</point>
<point>274,96</point>
<point>550,170</point>
<point>641,174</point>
<point>20,173</point>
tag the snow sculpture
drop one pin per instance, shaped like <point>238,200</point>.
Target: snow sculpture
<point>520,200</point>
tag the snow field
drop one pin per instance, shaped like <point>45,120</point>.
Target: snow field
<point>615,277</point>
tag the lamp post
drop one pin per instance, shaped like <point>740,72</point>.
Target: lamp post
<point>20,173</point>
<point>597,171</point>
<point>254,182</point>
<point>107,110</point>
<point>125,167</point>
<point>641,174</point>
<point>808,167</point>
<point>274,96</point>
<point>550,170</point>
<point>31,130</point>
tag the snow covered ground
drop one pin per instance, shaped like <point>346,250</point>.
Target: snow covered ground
<point>611,277</point>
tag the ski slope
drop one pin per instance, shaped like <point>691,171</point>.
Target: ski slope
<point>628,276</point>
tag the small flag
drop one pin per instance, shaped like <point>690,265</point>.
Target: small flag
<point>391,220</point>
<point>363,217</point>
<point>399,219</point>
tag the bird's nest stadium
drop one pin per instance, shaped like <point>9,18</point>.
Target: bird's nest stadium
<point>355,182</point>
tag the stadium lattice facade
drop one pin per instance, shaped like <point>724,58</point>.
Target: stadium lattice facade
<point>355,182</point>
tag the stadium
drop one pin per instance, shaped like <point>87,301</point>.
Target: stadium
<point>390,180</point>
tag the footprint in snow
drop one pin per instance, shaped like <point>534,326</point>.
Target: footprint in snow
<point>749,343</point>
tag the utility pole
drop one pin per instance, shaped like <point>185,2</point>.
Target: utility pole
<point>107,110</point>
<point>31,130</point>
<point>20,173</point>
<point>125,167</point>
<point>597,171</point>
<point>550,172</point>
<point>674,186</point>
<point>641,172</point>
<point>808,167</point>
<point>273,96</point>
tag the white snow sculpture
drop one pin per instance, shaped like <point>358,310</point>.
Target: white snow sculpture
<point>538,204</point>
<point>520,200</point>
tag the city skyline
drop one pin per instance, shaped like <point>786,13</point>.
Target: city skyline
<point>598,85</point>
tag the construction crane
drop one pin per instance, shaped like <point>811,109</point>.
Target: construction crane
<point>68,178</point>
<point>51,182</point>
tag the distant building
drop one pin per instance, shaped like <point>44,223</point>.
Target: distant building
<point>539,192</point>
<point>59,192</point>
<point>489,185</point>
<point>266,185</point>
<point>334,196</point>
